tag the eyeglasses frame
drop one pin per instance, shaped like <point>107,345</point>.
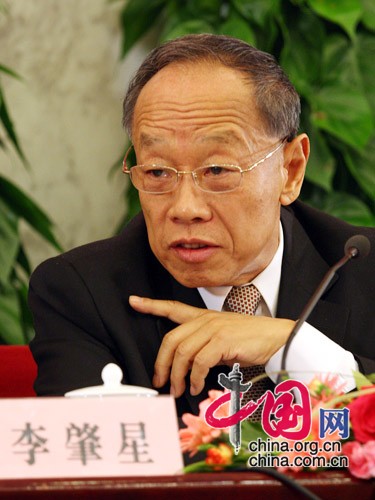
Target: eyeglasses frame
<point>127,170</point>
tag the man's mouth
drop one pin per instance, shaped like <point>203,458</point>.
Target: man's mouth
<point>192,245</point>
<point>194,252</point>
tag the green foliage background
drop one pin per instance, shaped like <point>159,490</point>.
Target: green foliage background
<point>327,47</point>
<point>15,319</point>
<point>15,206</point>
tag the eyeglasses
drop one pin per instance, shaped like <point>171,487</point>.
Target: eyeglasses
<point>157,179</point>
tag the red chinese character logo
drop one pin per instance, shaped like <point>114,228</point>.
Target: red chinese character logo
<point>287,413</point>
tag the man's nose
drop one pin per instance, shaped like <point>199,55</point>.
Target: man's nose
<point>189,202</point>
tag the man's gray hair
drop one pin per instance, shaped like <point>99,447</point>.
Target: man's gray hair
<point>275,97</point>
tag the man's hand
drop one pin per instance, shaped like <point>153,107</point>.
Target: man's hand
<point>207,338</point>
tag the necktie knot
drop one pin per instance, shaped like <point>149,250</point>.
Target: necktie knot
<point>243,299</point>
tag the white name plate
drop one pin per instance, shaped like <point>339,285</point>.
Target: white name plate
<point>89,437</point>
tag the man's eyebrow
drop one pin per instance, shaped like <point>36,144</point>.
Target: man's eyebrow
<point>147,140</point>
<point>227,137</point>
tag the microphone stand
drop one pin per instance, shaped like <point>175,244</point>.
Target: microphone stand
<point>350,253</point>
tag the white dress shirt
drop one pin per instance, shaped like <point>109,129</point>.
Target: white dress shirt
<point>311,352</point>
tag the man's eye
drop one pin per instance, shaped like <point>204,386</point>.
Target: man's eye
<point>216,170</point>
<point>156,173</point>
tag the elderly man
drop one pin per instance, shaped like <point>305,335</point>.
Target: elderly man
<point>214,123</point>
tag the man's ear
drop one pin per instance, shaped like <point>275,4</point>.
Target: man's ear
<point>296,154</point>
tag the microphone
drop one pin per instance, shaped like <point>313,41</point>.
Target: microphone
<point>357,246</point>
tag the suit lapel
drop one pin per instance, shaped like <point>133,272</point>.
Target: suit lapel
<point>302,270</point>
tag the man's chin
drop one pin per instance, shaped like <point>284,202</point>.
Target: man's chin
<point>194,278</point>
<point>191,279</point>
<point>198,275</point>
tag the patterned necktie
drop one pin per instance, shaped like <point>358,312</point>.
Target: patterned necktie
<point>245,300</point>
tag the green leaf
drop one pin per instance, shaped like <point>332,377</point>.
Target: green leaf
<point>206,446</point>
<point>137,17</point>
<point>345,13</point>
<point>344,113</point>
<point>174,16</point>
<point>9,128</point>
<point>257,10</point>
<point>368,17</point>
<point>207,10</point>
<point>10,316</point>
<point>200,466</point>
<point>346,207</point>
<point>365,50</point>
<point>339,61</point>
<point>321,165</point>
<point>25,208</point>
<point>189,27</point>
<point>361,380</point>
<point>9,241</point>
<point>10,72</point>
<point>237,27</point>
<point>301,56</point>
<point>251,431</point>
<point>268,35</point>
<point>339,104</point>
<point>23,261</point>
<point>362,167</point>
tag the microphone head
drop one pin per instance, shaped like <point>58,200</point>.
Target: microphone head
<point>357,246</point>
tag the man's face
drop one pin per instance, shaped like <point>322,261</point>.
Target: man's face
<point>188,116</point>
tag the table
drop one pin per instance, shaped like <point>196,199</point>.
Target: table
<point>207,486</point>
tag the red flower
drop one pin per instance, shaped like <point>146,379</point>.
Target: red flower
<point>362,417</point>
<point>219,456</point>
<point>361,458</point>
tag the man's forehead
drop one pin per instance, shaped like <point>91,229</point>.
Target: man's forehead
<point>180,103</point>
<point>182,81</point>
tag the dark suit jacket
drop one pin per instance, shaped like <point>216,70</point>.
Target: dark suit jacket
<point>83,320</point>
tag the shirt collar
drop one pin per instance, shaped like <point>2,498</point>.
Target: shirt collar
<point>267,282</point>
